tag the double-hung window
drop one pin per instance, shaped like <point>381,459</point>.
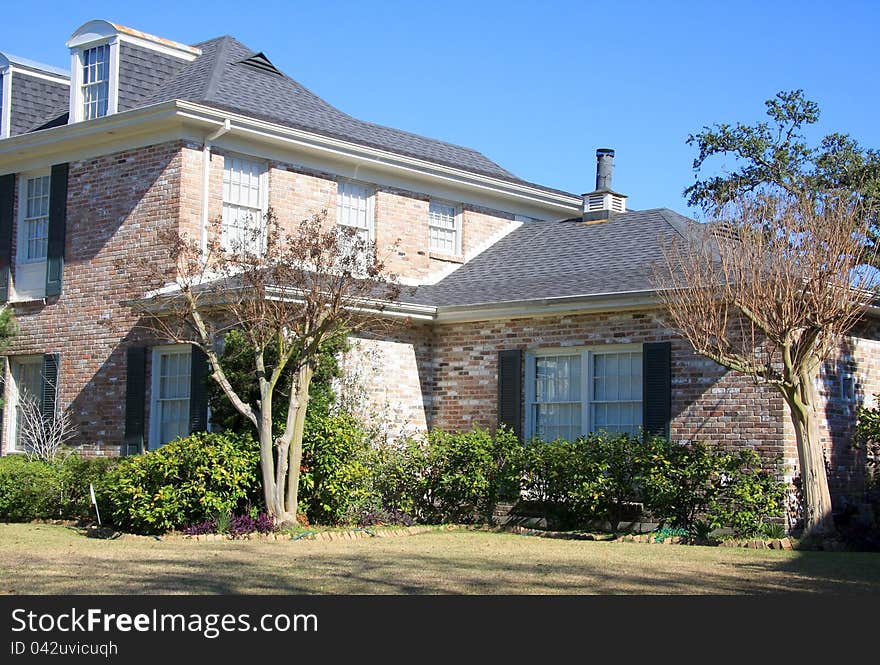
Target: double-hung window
<point>95,81</point>
<point>444,228</point>
<point>354,208</point>
<point>574,392</point>
<point>171,368</point>
<point>25,393</point>
<point>354,217</point>
<point>244,205</point>
<point>33,236</point>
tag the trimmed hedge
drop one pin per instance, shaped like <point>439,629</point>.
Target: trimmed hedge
<point>36,489</point>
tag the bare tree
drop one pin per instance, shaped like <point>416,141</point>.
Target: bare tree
<point>42,437</point>
<point>288,292</point>
<point>767,290</point>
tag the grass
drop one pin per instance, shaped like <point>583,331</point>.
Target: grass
<point>48,559</point>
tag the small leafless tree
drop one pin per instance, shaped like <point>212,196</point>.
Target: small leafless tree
<point>42,437</point>
<point>288,292</point>
<point>767,290</point>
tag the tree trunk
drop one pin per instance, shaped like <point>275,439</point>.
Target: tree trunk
<point>267,466</point>
<point>304,380</point>
<point>818,520</point>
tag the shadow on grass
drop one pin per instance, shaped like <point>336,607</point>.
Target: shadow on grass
<point>435,564</point>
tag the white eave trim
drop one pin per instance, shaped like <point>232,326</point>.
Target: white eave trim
<point>577,304</point>
<point>214,118</point>
<point>290,136</point>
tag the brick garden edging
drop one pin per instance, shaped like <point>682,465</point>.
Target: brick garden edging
<point>350,534</point>
<point>647,538</point>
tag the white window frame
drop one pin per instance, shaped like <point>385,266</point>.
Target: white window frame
<point>586,354</point>
<point>155,410</point>
<point>263,167</point>
<point>370,206</point>
<point>29,278</point>
<point>76,78</point>
<point>10,407</point>
<point>458,229</point>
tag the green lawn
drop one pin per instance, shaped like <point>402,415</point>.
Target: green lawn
<point>43,559</point>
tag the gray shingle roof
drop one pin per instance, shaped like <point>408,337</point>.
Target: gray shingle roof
<point>33,98</point>
<point>222,78</point>
<point>557,259</point>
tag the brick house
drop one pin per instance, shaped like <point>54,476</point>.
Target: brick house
<point>529,306</point>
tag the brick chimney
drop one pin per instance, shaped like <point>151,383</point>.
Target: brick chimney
<point>604,202</point>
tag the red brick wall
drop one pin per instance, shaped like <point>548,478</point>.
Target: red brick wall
<point>708,403</point>
<point>117,205</point>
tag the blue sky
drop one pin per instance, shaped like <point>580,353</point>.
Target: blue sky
<point>537,87</point>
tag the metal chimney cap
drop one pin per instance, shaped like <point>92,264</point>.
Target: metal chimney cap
<point>604,151</point>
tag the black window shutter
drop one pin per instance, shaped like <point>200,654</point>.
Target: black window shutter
<point>657,388</point>
<point>135,400</point>
<point>510,390</point>
<point>50,385</point>
<point>7,221</point>
<point>198,391</point>
<point>57,229</point>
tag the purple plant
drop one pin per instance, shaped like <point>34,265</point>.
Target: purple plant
<point>201,528</point>
<point>241,525</point>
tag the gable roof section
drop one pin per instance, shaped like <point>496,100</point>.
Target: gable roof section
<point>229,76</point>
<point>543,260</point>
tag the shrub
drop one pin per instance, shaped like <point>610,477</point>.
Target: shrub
<point>183,482</point>
<point>29,489</point>
<point>38,489</point>
<point>699,489</point>
<point>398,471</point>
<point>593,478</point>
<point>335,483</point>
<point>868,437</point>
<point>464,474</point>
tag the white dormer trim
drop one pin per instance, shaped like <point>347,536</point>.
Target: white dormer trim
<point>5,99</point>
<point>100,31</point>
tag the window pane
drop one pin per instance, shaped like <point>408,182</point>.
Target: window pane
<point>352,205</point>
<point>36,218</point>
<point>172,401</point>
<point>443,232</point>
<point>617,392</point>
<point>557,409</point>
<point>243,228</point>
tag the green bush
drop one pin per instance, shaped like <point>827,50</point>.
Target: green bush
<point>593,478</point>
<point>185,481</point>
<point>464,474</point>
<point>699,489</point>
<point>398,471</point>
<point>29,489</point>
<point>335,481</point>
<point>868,437</point>
<point>37,489</point>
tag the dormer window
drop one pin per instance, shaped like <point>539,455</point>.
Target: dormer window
<point>103,53</point>
<point>95,87</point>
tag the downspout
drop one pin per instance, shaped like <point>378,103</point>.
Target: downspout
<point>206,177</point>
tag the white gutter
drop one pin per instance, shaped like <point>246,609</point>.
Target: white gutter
<point>117,126</point>
<point>206,176</point>
<point>301,138</point>
<point>581,304</point>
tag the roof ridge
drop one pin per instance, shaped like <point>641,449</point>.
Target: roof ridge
<point>217,67</point>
